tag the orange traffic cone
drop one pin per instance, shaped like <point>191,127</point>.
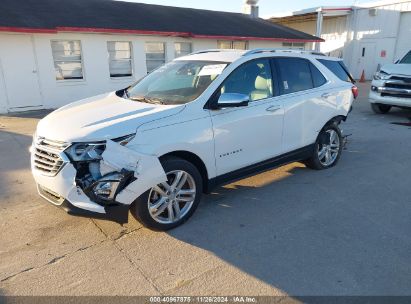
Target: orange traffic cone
<point>362,79</point>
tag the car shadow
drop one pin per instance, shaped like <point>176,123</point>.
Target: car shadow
<point>299,231</point>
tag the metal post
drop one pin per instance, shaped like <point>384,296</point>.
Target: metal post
<point>319,28</point>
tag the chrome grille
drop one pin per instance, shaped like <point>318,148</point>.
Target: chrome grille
<point>399,88</point>
<point>398,85</point>
<point>47,156</point>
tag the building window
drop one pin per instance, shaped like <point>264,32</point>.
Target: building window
<point>120,62</point>
<point>237,45</point>
<point>182,49</point>
<point>240,45</point>
<point>294,45</point>
<point>67,59</point>
<point>155,55</point>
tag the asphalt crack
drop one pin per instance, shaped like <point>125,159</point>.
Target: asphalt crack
<point>125,233</point>
<point>52,261</point>
<point>126,256</point>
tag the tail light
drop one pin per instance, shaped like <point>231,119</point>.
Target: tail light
<point>354,90</point>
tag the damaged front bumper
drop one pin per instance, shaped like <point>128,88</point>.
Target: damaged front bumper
<point>119,176</point>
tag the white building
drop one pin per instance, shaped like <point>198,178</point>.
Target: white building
<point>365,36</point>
<point>53,52</point>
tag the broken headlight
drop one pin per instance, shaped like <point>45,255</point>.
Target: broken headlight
<point>124,140</point>
<point>86,151</point>
<point>93,151</point>
<point>104,190</point>
<point>381,75</point>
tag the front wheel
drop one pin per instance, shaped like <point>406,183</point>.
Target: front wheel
<point>380,108</point>
<point>171,203</point>
<point>328,148</point>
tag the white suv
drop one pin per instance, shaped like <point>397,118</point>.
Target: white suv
<point>201,120</point>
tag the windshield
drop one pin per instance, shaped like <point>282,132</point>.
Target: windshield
<point>177,82</point>
<point>406,58</point>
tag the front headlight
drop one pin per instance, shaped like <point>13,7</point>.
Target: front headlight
<point>86,151</point>
<point>381,75</point>
<point>93,151</point>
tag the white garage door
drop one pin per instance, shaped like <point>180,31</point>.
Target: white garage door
<point>19,73</point>
<point>404,36</point>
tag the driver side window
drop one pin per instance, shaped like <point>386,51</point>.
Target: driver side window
<point>252,78</point>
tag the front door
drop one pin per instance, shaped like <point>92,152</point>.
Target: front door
<point>19,73</point>
<point>247,135</point>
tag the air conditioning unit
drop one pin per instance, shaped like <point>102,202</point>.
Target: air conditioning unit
<point>372,12</point>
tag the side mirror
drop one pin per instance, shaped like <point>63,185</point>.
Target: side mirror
<point>231,100</point>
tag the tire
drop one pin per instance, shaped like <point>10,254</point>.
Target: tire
<point>152,208</point>
<point>327,148</point>
<point>380,108</point>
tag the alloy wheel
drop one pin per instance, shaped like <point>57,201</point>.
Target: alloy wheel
<point>170,201</point>
<point>328,152</point>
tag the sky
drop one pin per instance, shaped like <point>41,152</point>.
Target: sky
<point>267,7</point>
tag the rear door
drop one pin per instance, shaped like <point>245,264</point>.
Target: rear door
<point>306,101</point>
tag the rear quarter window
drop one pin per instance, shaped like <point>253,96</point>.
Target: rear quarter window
<point>338,68</point>
<point>318,77</point>
<point>295,75</point>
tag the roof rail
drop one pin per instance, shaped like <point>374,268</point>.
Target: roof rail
<point>213,51</point>
<point>279,50</point>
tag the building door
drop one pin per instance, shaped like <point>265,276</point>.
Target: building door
<point>19,73</point>
<point>366,60</point>
<point>403,41</point>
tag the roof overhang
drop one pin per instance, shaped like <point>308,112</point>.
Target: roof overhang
<point>310,14</point>
<point>144,33</point>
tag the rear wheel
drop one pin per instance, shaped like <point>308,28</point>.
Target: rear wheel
<point>328,148</point>
<point>171,203</point>
<point>380,108</point>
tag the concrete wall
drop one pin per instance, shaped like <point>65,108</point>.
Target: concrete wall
<point>95,65</point>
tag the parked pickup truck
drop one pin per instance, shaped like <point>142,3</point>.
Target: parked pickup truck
<point>391,86</point>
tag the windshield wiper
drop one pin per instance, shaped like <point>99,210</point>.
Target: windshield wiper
<point>147,99</point>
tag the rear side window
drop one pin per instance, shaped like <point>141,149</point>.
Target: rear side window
<point>338,68</point>
<point>295,75</point>
<point>318,77</point>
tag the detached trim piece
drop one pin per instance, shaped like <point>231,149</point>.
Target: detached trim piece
<point>147,169</point>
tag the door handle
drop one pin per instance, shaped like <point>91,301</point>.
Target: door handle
<point>326,95</point>
<point>273,108</point>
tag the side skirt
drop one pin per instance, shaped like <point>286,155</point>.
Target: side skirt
<point>289,157</point>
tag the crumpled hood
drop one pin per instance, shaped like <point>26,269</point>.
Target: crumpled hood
<point>397,69</point>
<point>101,117</point>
